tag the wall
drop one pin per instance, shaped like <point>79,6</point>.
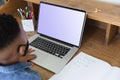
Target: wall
<point>117,2</point>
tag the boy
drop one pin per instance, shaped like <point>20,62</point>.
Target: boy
<point>14,52</point>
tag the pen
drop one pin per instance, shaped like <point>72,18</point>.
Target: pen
<point>26,13</point>
<point>30,15</point>
<point>20,13</point>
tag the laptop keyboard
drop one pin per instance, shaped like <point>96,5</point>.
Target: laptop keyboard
<point>50,47</point>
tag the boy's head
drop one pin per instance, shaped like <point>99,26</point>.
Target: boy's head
<point>13,40</point>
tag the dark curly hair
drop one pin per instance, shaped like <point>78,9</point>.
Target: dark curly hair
<point>9,30</point>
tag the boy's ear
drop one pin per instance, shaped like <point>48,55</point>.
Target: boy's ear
<point>21,50</point>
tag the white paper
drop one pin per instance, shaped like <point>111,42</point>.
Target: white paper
<point>114,74</point>
<point>28,25</point>
<point>84,67</point>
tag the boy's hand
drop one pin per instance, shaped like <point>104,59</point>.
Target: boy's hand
<point>28,56</point>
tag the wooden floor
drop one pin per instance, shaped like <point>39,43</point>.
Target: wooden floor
<point>94,44</point>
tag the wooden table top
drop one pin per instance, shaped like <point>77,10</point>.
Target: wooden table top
<point>109,13</point>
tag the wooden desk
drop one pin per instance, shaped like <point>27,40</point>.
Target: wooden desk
<point>33,1</point>
<point>11,6</point>
<point>91,44</point>
<point>109,14</point>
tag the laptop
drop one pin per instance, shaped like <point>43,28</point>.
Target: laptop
<point>59,35</point>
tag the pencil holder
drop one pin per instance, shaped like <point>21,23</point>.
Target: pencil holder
<point>28,24</point>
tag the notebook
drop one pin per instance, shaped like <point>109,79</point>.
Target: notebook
<point>59,35</point>
<point>86,67</point>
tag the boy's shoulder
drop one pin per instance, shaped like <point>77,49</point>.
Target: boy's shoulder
<point>21,71</point>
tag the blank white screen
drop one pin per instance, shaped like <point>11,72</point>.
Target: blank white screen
<point>61,23</point>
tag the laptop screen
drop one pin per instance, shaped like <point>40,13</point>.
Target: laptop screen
<point>61,23</point>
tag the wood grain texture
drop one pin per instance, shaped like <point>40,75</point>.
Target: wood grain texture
<point>110,13</point>
<point>11,6</point>
<point>93,44</point>
<point>111,31</point>
<point>33,1</point>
